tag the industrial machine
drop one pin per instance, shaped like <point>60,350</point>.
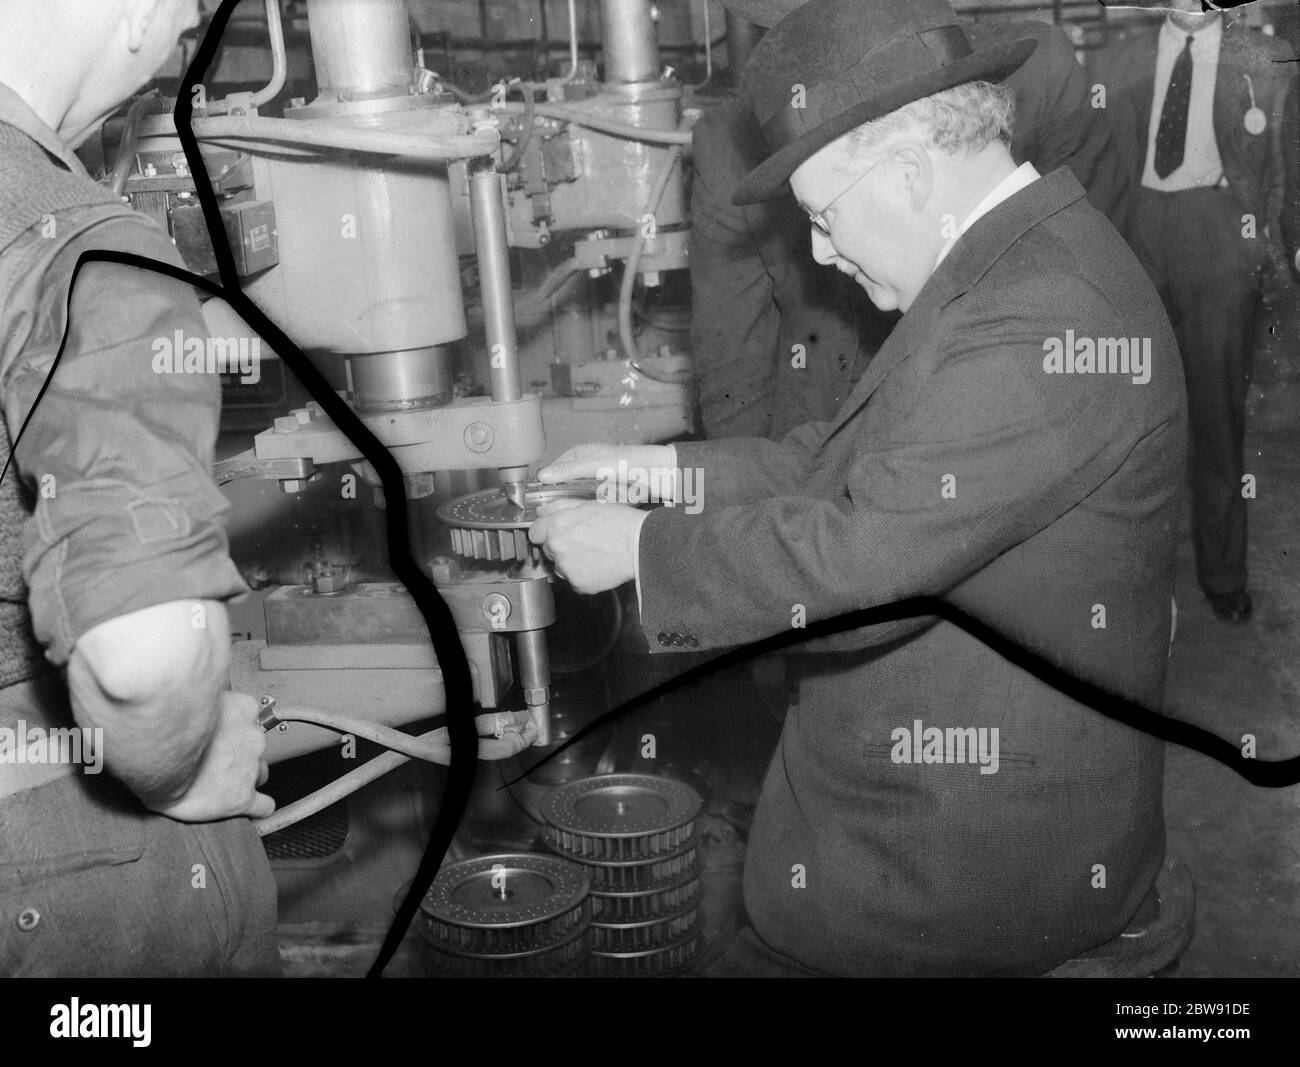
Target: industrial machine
<point>447,260</point>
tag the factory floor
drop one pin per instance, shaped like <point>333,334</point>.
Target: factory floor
<point>1240,841</point>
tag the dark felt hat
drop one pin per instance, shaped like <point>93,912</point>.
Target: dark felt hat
<point>855,60</point>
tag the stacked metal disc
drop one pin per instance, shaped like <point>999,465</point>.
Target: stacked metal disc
<point>635,836</point>
<point>515,915</point>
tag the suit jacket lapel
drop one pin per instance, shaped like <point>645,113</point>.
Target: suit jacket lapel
<point>977,250</point>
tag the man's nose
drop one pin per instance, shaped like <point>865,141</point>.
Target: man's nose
<point>822,249</point>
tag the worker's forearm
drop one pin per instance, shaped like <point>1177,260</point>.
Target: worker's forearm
<point>151,681</point>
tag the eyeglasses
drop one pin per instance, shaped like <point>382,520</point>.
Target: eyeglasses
<point>818,218</point>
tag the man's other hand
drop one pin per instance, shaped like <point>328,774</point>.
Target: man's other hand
<point>231,769</point>
<point>594,546</point>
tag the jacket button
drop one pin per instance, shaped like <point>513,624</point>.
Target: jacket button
<point>844,362</point>
<point>677,639</point>
<point>663,639</point>
<point>27,919</point>
<point>692,641</point>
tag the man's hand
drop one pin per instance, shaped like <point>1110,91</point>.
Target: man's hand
<point>593,545</point>
<point>602,461</point>
<point>231,769</point>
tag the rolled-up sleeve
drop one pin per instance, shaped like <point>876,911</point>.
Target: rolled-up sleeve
<point>117,455</point>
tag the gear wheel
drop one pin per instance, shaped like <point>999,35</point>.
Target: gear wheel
<point>509,915</point>
<point>487,525</point>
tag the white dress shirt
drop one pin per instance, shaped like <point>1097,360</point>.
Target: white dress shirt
<point>1201,165</point>
<point>1023,175</point>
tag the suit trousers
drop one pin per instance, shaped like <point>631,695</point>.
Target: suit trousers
<point>1195,245</point>
<point>93,885</point>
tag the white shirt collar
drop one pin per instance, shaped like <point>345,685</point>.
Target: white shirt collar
<point>1206,35</point>
<point>1023,175</point>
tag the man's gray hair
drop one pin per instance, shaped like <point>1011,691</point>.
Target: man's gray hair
<point>966,118</point>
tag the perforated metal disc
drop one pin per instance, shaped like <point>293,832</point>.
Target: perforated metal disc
<point>659,962</point>
<point>621,806</point>
<point>491,509</point>
<point>536,888</point>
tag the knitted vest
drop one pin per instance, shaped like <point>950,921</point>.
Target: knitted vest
<point>33,187</point>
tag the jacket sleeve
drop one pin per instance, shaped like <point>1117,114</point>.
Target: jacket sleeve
<point>732,575</point>
<point>117,456</point>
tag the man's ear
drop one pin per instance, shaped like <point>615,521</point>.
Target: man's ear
<point>916,170</point>
<point>139,16</point>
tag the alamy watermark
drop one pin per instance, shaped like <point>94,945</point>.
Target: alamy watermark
<point>60,744</point>
<point>1100,355</point>
<point>669,486</point>
<point>179,354</point>
<point>952,744</point>
<point>75,1019</point>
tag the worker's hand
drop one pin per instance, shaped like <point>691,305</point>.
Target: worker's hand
<point>639,463</point>
<point>593,545</point>
<point>231,769</point>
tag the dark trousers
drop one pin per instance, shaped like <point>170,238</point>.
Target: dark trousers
<point>1207,272</point>
<point>94,885</point>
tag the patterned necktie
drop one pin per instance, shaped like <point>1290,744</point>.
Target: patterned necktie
<point>1171,136</point>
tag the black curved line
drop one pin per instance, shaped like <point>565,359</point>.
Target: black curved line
<point>457,684</point>
<point>458,688</point>
<point>1271,773</point>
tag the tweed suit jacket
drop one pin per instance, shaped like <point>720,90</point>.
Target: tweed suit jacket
<point>1262,170</point>
<point>1044,504</point>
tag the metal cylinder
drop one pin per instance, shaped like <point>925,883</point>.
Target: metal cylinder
<point>628,40</point>
<point>398,381</point>
<point>488,207</point>
<point>535,679</point>
<point>742,36</point>
<point>360,46</point>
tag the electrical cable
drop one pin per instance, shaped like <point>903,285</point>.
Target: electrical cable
<point>525,138</point>
<point>130,139</point>
<point>708,51</point>
<point>573,43</point>
<point>551,286</point>
<point>513,732</point>
<point>279,57</point>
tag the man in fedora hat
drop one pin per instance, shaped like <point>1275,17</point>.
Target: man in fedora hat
<point>1014,449</point>
<point>784,339</point>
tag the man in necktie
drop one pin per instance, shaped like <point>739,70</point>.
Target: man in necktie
<point>1202,109</point>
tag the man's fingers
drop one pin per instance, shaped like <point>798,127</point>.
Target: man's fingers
<point>581,461</point>
<point>263,773</point>
<point>261,807</point>
<point>553,506</point>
